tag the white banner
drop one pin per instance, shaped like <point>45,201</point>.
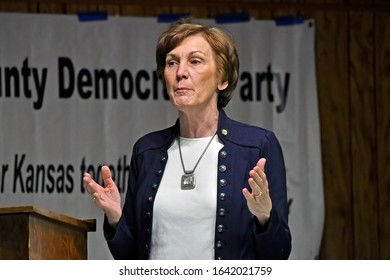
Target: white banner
<point>75,95</point>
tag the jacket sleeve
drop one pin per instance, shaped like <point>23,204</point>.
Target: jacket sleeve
<point>122,240</point>
<point>274,240</point>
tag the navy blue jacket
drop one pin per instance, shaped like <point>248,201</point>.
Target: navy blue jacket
<point>238,235</point>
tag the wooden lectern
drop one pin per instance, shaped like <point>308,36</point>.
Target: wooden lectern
<point>33,233</point>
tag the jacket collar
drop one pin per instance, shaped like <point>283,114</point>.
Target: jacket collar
<point>222,131</point>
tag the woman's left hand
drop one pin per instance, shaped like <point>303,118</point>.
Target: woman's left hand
<point>259,202</point>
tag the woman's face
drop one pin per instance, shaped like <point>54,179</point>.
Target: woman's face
<point>191,75</point>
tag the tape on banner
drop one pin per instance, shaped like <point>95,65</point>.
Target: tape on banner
<point>94,16</point>
<point>290,20</point>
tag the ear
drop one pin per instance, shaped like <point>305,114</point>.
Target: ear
<point>222,86</point>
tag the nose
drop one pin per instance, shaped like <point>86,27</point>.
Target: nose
<point>182,71</point>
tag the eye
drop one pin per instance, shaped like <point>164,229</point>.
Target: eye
<point>195,61</point>
<point>170,63</point>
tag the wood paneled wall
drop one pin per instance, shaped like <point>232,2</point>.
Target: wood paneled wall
<point>353,74</point>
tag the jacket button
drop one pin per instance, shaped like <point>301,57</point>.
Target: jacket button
<point>163,159</point>
<point>219,244</point>
<point>224,131</point>
<point>154,186</point>
<point>221,212</point>
<point>222,168</point>
<point>149,199</point>
<point>219,258</point>
<point>220,228</point>
<point>148,215</point>
<point>223,154</point>
<point>222,196</point>
<point>159,172</point>
<point>222,182</point>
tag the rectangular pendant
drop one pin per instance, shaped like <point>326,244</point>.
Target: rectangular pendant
<point>188,181</point>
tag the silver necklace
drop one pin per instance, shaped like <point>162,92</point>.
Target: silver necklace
<point>188,178</point>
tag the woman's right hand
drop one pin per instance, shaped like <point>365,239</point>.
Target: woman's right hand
<point>107,197</point>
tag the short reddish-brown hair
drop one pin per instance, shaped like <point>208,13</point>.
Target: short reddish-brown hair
<point>221,42</point>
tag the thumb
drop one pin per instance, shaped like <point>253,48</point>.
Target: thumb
<point>106,176</point>
<point>247,194</point>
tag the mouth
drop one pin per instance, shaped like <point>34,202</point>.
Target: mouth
<point>181,90</point>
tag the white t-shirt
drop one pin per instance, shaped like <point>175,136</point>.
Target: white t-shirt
<point>184,220</point>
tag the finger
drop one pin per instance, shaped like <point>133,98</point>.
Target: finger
<point>97,198</point>
<point>87,180</point>
<point>256,190</point>
<point>260,169</point>
<point>262,179</point>
<point>255,174</point>
<point>90,184</point>
<point>261,164</point>
<point>86,177</point>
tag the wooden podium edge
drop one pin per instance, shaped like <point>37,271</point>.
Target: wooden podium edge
<point>84,225</point>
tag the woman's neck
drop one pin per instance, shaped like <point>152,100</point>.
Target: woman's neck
<point>199,124</point>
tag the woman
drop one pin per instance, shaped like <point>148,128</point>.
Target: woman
<point>186,196</point>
